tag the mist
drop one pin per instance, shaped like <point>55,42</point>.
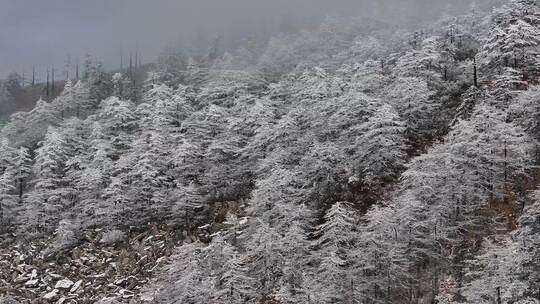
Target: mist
<point>43,33</point>
<point>269,151</point>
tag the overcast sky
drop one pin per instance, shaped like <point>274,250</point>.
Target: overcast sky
<point>43,32</point>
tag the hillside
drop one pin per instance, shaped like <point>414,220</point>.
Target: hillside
<point>355,163</point>
<point>24,99</point>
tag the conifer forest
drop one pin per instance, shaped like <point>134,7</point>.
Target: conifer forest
<point>348,159</point>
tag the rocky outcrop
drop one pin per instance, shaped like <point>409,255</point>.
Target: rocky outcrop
<point>91,273</point>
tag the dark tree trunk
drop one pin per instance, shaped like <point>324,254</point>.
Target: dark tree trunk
<point>475,74</point>
<point>445,74</point>
<point>20,189</point>
<point>52,82</point>
<point>130,65</point>
<point>48,93</point>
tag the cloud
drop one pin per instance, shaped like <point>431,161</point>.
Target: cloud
<point>43,32</point>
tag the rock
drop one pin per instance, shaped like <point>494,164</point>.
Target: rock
<point>54,275</point>
<point>8,300</point>
<point>75,286</point>
<point>126,294</point>
<point>243,221</point>
<point>147,297</point>
<point>120,282</point>
<point>19,279</point>
<point>61,300</point>
<point>32,283</point>
<point>52,295</point>
<point>353,180</point>
<point>159,262</point>
<point>98,276</point>
<point>64,284</point>
<point>21,268</point>
<point>34,274</point>
<point>107,301</point>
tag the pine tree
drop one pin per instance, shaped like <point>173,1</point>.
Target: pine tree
<point>336,239</point>
<point>185,279</point>
<point>49,172</point>
<point>235,286</point>
<point>381,145</point>
<point>513,39</point>
<point>381,257</point>
<point>411,97</point>
<point>489,276</point>
<point>22,170</point>
<point>38,120</point>
<point>7,200</point>
<point>118,120</point>
<point>275,251</point>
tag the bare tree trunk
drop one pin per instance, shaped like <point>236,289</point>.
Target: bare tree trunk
<point>52,82</point>
<point>475,73</point>
<point>20,189</point>
<point>68,65</point>
<point>130,65</point>
<point>48,93</point>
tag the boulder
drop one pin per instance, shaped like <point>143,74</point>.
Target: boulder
<point>52,295</point>
<point>107,301</point>
<point>54,276</point>
<point>126,294</point>
<point>32,283</point>
<point>147,297</point>
<point>76,286</point>
<point>63,284</point>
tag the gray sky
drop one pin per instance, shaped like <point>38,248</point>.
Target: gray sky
<point>43,32</point>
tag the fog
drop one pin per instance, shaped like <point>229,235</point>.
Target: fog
<point>42,33</point>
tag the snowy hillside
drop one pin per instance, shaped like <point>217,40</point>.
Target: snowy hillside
<point>354,163</point>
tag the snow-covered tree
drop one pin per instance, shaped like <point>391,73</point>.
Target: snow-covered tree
<point>185,279</point>
<point>513,39</point>
<point>381,146</point>
<point>490,277</point>
<point>7,200</point>
<point>118,120</point>
<point>336,239</point>
<point>40,118</point>
<point>22,170</point>
<point>411,97</point>
<point>49,172</point>
<point>381,265</point>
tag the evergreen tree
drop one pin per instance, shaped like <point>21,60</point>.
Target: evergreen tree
<point>382,144</point>
<point>336,239</point>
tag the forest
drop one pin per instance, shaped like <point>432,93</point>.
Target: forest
<point>353,162</point>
